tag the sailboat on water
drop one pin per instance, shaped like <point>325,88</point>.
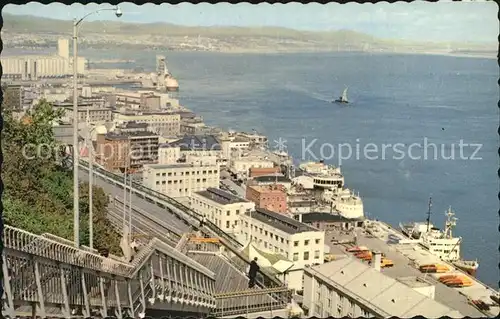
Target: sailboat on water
<point>343,99</point>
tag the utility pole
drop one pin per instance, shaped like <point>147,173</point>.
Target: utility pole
<point>125,193</point>
<point>130,207</point>
<point>91,182</point>
<point>76,208</point>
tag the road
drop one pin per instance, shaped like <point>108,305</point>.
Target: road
<point>163,215</point>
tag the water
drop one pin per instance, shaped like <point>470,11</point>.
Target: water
<point>395,99</point>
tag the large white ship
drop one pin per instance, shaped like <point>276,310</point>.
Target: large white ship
<point>440,243</point>
<point>318,175</point>
<point>345,201</point>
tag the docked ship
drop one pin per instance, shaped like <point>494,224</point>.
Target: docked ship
<point>343,99</point>
<point>345,202</point>
<point>440,243</point>
<point>319,176</point>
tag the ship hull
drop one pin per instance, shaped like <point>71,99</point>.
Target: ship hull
<point>468,269</point>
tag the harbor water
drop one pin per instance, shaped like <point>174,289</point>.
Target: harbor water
<point>406,99</point>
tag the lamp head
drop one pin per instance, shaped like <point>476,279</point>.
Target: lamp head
<point>118,12</point>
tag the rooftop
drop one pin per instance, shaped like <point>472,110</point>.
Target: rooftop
<point>324,217</point>
<point>280,221</point>
<point>145,112</point>
<point>177,165</point>
<point>387,242</point>
<point>134,124</point>
<point>271,179</point>
<point>198,142</point>
<point>268,188</point>
<point>126,135</point>
<point>221,196</point>
<point>415,282</point>
<point>378,291</point>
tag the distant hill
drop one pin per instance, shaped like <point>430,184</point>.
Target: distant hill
<point>155,34</point>
<point>26,23</point>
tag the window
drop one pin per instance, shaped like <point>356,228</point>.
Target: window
<point>295,244</point>
<point>228,224</point>
<point>306,255</point>
<point>316,254</point>
<point>316,241</point>
<point>228,213</point>
<point>306,242</point>
<point>295,256</point>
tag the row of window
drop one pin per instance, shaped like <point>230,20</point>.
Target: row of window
<point>187,173</point>
<point>198,180</point>
<point>331,296</point>
<point>317,255</point>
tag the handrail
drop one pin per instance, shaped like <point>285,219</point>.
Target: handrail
<point>20,240</point>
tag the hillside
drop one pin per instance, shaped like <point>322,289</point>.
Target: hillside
<point>30,31</point>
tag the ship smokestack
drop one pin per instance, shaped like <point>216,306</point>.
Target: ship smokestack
<point>376,260</point>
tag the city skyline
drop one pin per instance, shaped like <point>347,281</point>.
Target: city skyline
<point>444,21</point>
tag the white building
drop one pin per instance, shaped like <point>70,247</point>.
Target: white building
<point>241,165</point>
<point>63,48</point>
<point>168,154</point>
<point>349,287</point>
<point>33,67</point>
<point>220,207</point>
<point>164,123</point>
<point>182,179</point>
<point>302,244</point>
<point>234,146</point>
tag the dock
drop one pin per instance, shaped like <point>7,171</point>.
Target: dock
<point>407,255</point>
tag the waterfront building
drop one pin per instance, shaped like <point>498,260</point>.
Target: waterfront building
<point>349,287</point>
<point>34,67</point>
<point>255,171</point>
<point>130,146</point>
<point>163,123</point>
<point>220,207</point>
<point>233,145</point>
<point>85,108</point>
<point>182,179</point>
<point>241,165</point>
<point>168,154</point>
<point>270,197</point>
<point>144,101</point>
<point>266,180</point>
<point>327,221</point>
<point>112,151</point>
<point>199,145</point>
<point>275,232</point>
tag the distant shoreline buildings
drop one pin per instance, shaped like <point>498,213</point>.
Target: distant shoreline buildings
<point>34,67</point>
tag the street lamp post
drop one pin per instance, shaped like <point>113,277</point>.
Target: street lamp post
<point>76,209</point>
<point>90,148</point>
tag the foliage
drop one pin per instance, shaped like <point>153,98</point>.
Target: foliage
<point>38,194</point>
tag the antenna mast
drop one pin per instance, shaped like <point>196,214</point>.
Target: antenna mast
<point>429,214</point>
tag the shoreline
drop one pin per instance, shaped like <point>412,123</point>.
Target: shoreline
<point>12,52</point>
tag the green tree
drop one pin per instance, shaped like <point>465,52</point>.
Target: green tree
<point>38,194</point>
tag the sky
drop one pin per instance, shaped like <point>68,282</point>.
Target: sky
<point>420,21</point>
